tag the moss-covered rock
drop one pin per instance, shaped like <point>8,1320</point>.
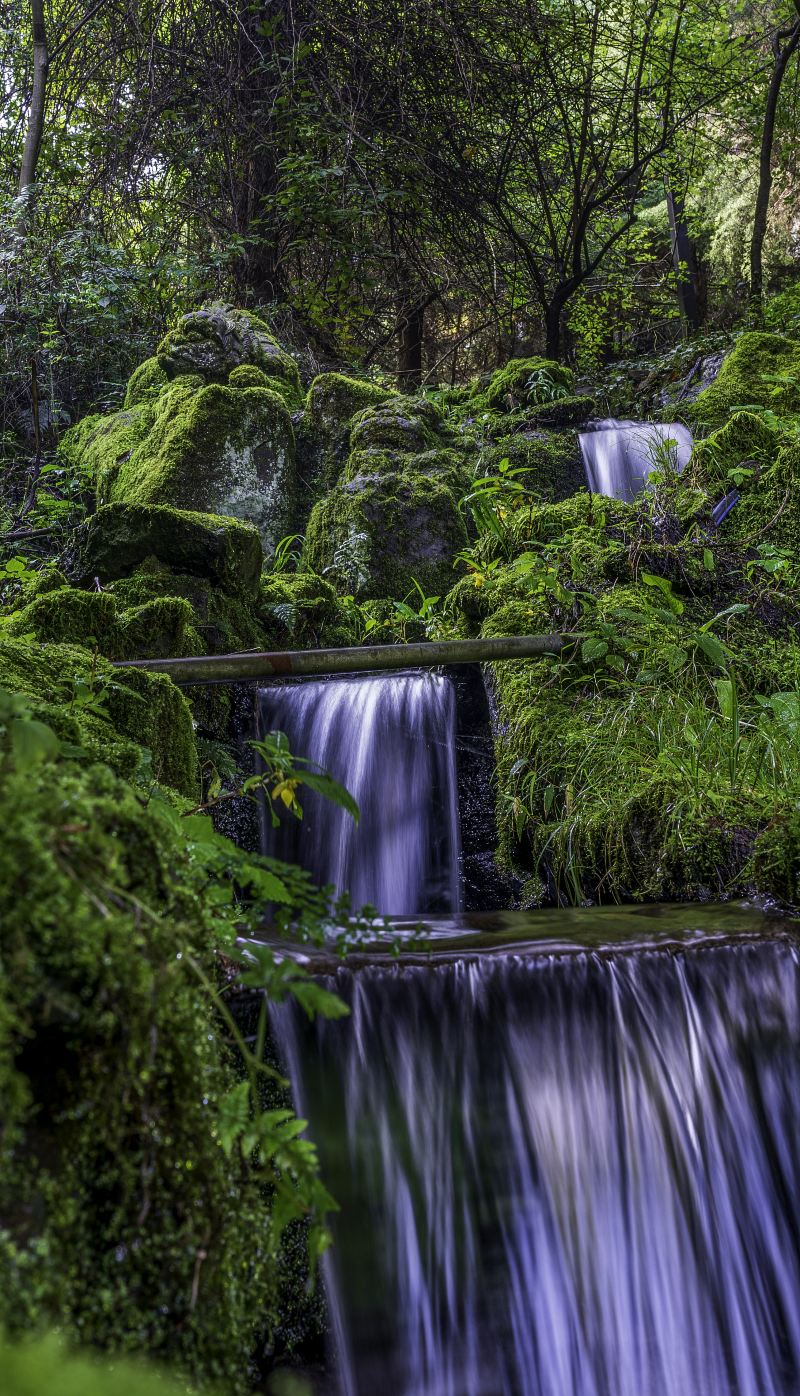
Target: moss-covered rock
<point>119,537</point>
<point>409,425</point>
<point>302,610</point>
<point>562,412</point>
<point>374,536</point>
<point>332,402</point>
<point>217,341</point>
<point>120,1216</point>
<point>526,383</point>
<point>761,462</point>
<point>111,714</point>
<point>145,383</point>
<point>218,450</point>
<point>762,370</point>
<point>552,461</point>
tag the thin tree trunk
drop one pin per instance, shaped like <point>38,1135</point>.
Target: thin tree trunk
<point>410,343</point>
<point>35,130</point>
<point>782,56</point>
<point>683,256</point>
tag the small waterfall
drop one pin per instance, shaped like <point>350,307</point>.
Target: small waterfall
<point>562,1175</point>
<point>390,739</point>
<point>619,456</point>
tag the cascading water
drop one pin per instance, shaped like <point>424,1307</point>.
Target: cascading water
<point>390,739</point>
<point>618,456</point>
<point>562,1175</point>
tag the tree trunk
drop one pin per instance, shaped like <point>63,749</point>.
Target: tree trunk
<point>553,328</point>
<point>685,261</point>
<point>35,130</point>
<point>409,349</point>
<point>782,56</point>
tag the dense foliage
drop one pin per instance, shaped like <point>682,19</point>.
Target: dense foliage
<point>453,234</point>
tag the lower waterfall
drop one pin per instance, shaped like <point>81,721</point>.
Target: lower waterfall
<point>390,739</point>
<point>562,1175</point>
<point>618,456</point>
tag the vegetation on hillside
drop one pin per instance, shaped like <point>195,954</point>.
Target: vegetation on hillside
<point>302,310</point>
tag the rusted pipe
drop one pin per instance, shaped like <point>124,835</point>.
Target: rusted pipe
<point>239,668</point>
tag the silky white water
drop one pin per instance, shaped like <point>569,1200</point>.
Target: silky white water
<point>562,1175</point>
<point>618,456</point>
<point>390,739</point>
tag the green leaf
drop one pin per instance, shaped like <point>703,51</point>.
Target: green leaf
<point>593,649</point>
<point>32,742</point>
<point>712,648</point>
<point>234,1115</point>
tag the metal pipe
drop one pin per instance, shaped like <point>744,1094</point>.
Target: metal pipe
<point>238,668</point>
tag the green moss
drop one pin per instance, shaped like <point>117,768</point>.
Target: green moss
<point>746,379</point>
<point>410,425</point>
<point>763,464</point>
<point>120,1216</point>
<point>450,467</point>
<point>562,412</point>
<point>214,450</point>
<point>224,622</point>
<point>375,536</point>
<point>216,341</point>
<point>525,382</point>
<point>333,399</point>
<point>45,1368</point>
<point>302,610</point>
<point>553,462</point>
<point>248,376</point>
<point>98,445</point>
<point>119,537</point>
<point>134,710</point>
<point>145,383</point>
<point>68,617</point>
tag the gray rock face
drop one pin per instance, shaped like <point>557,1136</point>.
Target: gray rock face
<point>216,341</point>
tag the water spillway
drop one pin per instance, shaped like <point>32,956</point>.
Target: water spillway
<point>390,739</point>
<point>619,455</point>
<point>562,1175</point>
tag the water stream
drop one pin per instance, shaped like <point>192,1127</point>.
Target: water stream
<point>619,455</point>
<point>563,1174</point>
<point>390,739</point>
<point>566,1145</point>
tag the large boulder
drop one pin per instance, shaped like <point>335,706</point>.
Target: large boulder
<point>332,402</point>
<point>119,537</point>
<point>376,535</point>
<point>527,383</point>
<point>201,447</point>
<point>215,342</point>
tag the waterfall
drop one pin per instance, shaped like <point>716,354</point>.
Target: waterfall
<point>390,739</point>
<point>562,1175</point>
<point>619,456</point>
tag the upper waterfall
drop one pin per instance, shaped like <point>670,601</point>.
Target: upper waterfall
<point>619,455</point>
<point>390,739</point>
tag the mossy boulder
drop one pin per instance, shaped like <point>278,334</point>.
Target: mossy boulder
<point>113,542</point>
<point>409,425</point>
<point>145,383</point>
<point>762,370</point>
<point>121,1218</point>
<point>209,449</point>
<point>111,714</point>
<point>552,461</point>
<point>332,401</point>
<point>302,610</point>
<point>375,536</point>
<point>218,340</point>
<point>526,383</point>
<point>442,463</point>
<point>562,412</point>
